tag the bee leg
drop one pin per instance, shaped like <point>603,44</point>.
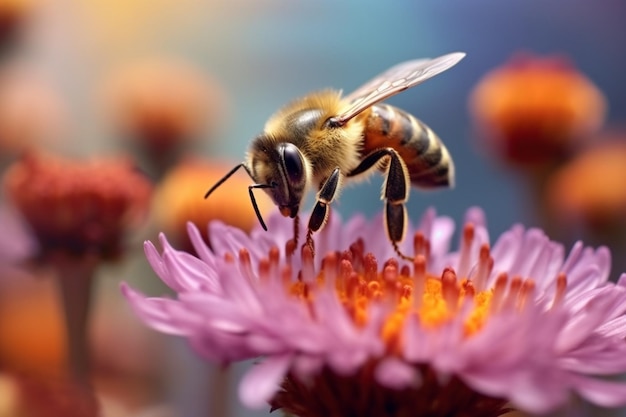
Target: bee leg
<point>325,196</point>
<point>296,230</point>
<point>395,192</point>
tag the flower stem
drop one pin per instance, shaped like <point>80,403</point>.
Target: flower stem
<point>220,389</point>
<point>75,278</point>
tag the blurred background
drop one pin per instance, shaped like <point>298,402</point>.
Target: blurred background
<point>534,117</point>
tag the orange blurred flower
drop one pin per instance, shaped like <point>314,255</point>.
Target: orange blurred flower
<point>163,103</point>
<point>32,342</point>
<point>22,396</point>
<point>591,189</point>
<point>80,207</point>
<point>533,110</point>
<point>31,110</point>
<point>179,199</point>
<point>31,327</point>
<point>57,398</point>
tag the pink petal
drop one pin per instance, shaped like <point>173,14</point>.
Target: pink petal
<point>614,328</point>
<point>578,327</point>
<point>188,272</point>
<point>596,363</point>
<point>539,393</point>
<point>600,392</point>
<point>441,235</point>
<point>396,374</point>
<point>227,239</point>
<point>427,221</point>
<point>476,216</point>
<point>161,314</point>
<point>533,243</point>
<point>506,249</point>
<point>221,347</point>
<point>154,259</point>
<point>199,245</point>
<point>306,365</point>
<point>261,382</point>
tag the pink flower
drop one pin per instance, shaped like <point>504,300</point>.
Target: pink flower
<point>468,332</point>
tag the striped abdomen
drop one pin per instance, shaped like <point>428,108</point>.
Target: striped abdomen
<point>427,159</point>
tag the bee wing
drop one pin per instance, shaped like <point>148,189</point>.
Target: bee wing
<point>396,79</point>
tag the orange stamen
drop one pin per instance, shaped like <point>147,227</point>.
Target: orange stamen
<point>561,286</point>
<point>408,289</point>
<point>466,245</point>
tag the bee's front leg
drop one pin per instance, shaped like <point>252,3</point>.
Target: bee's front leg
<point>395,192</point>
<point>325,196</point>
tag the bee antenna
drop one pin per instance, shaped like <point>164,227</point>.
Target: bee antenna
<point>224,178</point>
<point>254,204</point>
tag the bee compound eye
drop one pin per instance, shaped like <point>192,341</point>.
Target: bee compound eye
<point>292,160</point>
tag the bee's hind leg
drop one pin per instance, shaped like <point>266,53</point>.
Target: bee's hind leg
<point>320,212</point>
<point>395,192</point>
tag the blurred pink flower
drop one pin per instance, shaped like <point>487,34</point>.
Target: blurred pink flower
<point>466,332</point>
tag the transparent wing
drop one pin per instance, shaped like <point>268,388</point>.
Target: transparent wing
<point>396,79</point>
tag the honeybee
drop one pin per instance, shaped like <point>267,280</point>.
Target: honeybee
<point>323,140</point>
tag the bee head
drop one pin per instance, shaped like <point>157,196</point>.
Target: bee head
<point>282,169</point>
<point>291,180</point>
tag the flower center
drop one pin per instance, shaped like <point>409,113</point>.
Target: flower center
<point>435,298</point>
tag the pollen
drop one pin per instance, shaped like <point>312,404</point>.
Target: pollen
<point>359,281</point>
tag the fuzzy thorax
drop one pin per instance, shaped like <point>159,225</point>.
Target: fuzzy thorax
<point>303,122</point>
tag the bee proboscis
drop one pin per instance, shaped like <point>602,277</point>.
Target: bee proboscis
<point>323,140</point>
